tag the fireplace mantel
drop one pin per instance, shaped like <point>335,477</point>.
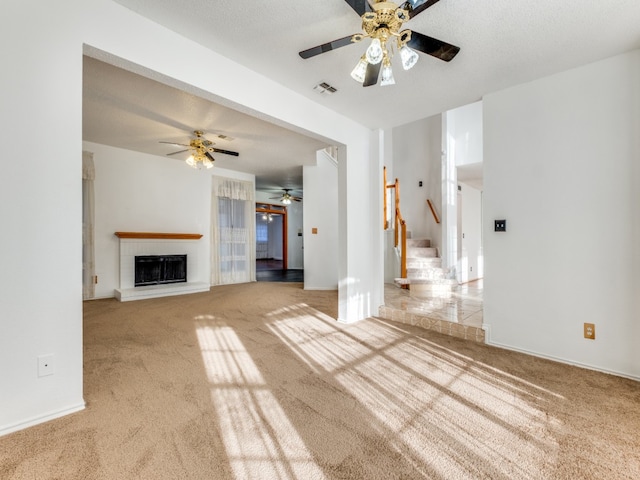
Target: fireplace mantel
<point>157,235</point>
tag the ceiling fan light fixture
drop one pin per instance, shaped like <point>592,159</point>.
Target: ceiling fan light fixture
<point>360,70</point>
<point>286,201</point>
<point>374,52</point>
<point>191,161</point>
<point>382,22</point>
<point>409,57</point>
<point>387,74</point>
<point>207,163</point>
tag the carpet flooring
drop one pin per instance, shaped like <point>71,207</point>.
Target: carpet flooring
<point>258,381</point>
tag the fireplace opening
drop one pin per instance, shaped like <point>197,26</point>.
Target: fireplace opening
<point>160,269</point>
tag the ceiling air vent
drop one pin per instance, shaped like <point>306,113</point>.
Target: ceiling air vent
<point>324,88</point>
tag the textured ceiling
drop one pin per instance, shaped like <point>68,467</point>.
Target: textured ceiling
<point>503,43</point>
<point>126,110</point>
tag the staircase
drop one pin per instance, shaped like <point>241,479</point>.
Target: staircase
<point>425,275</point>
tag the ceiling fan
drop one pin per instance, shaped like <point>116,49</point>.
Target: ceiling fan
<point>201,150</point>
<point>382,21</point>
<point>286,198</point>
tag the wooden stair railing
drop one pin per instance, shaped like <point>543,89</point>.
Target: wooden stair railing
<point>400,226</point>
<point>433,211</point>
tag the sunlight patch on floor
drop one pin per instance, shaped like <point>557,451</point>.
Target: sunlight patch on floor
<point>319,344</point>
<point>259,439</point>
<point>421,394</point>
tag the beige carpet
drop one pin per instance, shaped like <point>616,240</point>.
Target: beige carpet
<point>259,382</point>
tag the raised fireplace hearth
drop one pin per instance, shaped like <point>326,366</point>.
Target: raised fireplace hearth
<point>171,262</point>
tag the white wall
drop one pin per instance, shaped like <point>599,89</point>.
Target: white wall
<point>417,148</point>
<point>41,199</point>
<point>321,190</point>
<point>471,260</point>
<point>462,141</point>
<point>294,241</point>
<point>275,238</point>
<point>40,211</point>
<point>464,132</point>
<point>135,192</point>
<point>561,158</point>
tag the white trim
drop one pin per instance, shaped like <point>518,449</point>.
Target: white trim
<point>487,332</point>
<point>346,322</point>
<point>41,419</point>
<point>557,359</point>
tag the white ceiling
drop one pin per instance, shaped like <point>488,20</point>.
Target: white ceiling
<point>503,43</point>
<point>129,111</point>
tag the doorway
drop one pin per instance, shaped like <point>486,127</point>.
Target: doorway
<point>272,263</point>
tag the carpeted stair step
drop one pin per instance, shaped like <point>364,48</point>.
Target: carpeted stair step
<point>425,273</point>
<point>427,252</point>
<point>418,242</point>
<point>424,262</point>
<point>401,282</point>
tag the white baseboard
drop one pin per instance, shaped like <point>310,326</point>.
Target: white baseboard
<point>566,361</point>
<point>6,430</point>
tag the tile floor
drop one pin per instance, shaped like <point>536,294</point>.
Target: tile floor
<point>458,314</point>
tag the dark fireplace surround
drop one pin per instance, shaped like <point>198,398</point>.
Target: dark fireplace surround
<point>160,269</point>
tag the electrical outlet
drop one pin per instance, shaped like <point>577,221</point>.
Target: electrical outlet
<point>590,331</point>
<point>45,365</point>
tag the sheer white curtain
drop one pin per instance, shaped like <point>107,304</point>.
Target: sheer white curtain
<point>88,220</point>
<point>233,237</point>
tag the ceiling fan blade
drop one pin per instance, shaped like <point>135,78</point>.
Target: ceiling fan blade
<point>371,77</point>
<point>179,151</point>
<point>326,47</point>
<point>209,156</point>
<point>436,48</point>
<point>414,7</point>
<point>176,144</point>
<point>360,6</point>
<point>226,152</point>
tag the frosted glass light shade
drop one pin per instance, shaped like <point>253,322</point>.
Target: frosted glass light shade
<point>387,76</point>
<point>374,52</point>
<point>409,57</point>
<point>191,161</point>
<point>360,70</point>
